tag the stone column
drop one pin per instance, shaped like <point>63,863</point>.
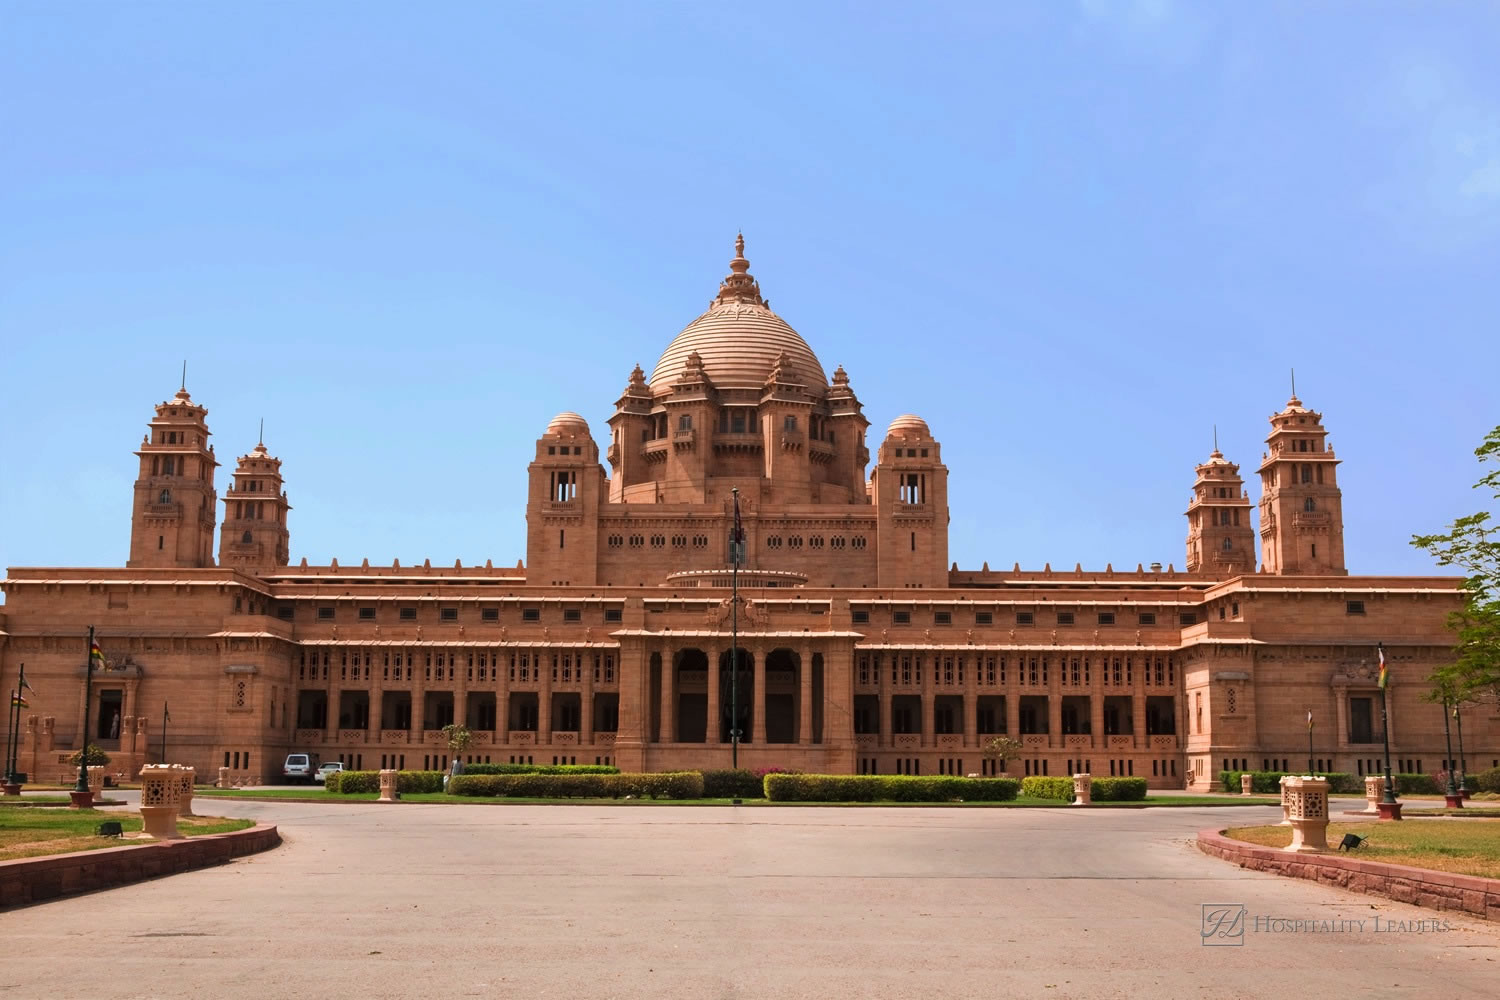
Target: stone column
<point>882,676</point>
<point>804,698</point>
<point>971,667</point>
<point>668,697</point>
<point>1307,799</point>
<point>461,690</point>
<point>418,699</point>
<point>1054,717</point>
<point>1013,713</point>
<point>758,723</point>
<point>1138,716</point>
<point>388,785</point>
<point>711,728</point>
<point>1341,704</point>
<point>544,700</point>
<point>1374,791</point>
<point>1083,789</point>
<point>929,701</point>
<point>502,698</point>
<point>377,699</point>
<point>586,701</point>
<point>1096,717</point>
<point>223,777</point>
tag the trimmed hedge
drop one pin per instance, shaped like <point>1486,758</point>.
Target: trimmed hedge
<point>540,769</point>
<point>887,788</point>
<point>1487,781</point>
<point>733,783</point>
<point>1118,790</point>
<point>1418,784</point>
<point>1269,782</point>
<point>670,785</point>
<point>1048,788</point>
<point>407,782</point>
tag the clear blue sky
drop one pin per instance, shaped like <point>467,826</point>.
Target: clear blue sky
<point>1072,236</point>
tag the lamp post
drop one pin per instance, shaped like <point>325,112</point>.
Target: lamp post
<point>1309,742</point>
<point>1463,765</point>
<point>736,552</point>
<point>82,788</point>
<point>1450,794</point>
<point>1388,806</point>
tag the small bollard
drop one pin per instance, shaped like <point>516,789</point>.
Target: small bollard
<point>160,786</point>
<point>223,777</point>
<point>1247,784</point>
<point>388,785</point>
<point>1374,790</point>
<point>96,780</point>
<point>1083,789</point>
<point>1308,798</point>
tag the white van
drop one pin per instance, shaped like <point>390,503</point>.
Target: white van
<point>299,768</point>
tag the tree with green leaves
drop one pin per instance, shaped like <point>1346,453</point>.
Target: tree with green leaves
<point>1000,750</point>
<point>1471,544</point>
<point>458,737</point>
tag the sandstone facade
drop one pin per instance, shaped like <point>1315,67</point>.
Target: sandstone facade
<point>862,649</point>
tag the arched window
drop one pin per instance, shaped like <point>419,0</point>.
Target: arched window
<point>685,422</point>
<point>246,538</point>
<point>1309,505</point>
<point>1307,473</point>
<point>164,497</point>
<point>1228,544</point>
<point>789,422</point>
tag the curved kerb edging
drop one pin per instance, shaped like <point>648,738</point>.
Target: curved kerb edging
<point>1469,894</point>
<point>33,880</point>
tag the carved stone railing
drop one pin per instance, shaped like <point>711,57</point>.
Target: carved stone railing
<point>352,735</point>
<point>1117,742</point>
<point>1164,741</point>
<point>950,741</point>
<point>866,741</point>
<point>604,739</point>
<point>434,738</point>
<point>1034,740</point>
<point>302,737</point>
<point>481,738</point>
<point>564,739</point>
<point>523,738</point>
<point>394,737</point>
<point>908,741</point>
<point>1082,740</point>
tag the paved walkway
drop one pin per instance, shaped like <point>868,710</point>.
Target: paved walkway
<point>709,902</point>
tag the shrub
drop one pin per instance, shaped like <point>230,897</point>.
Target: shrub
<point>670,785</point>
<point>540,769</point>
<point>407,782</point>
<point>1269,782</point>
<point>1487,781</point>
<point>887,788</point>
<point>1118,790</point>
<point>1048,788</point>
<point>97,757</point>
<point>733,783</point>
<point>1419,784</point>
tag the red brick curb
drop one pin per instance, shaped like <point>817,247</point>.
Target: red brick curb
<point>1470,894</point>
<point>33,880</point>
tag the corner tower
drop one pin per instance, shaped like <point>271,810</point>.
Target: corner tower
<point>1301,506</point>
<point>1220,539</point>
<point>172,518</point>
<point>909,488</point>
<point>255,537</point>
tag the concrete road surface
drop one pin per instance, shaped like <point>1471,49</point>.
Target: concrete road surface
<point>707,902</point>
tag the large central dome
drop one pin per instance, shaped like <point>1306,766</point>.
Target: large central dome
<point>739,340</point>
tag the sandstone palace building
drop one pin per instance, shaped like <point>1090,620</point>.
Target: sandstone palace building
<point>863,649</point>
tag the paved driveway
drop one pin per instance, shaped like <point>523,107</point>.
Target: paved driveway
<point>646,901</point>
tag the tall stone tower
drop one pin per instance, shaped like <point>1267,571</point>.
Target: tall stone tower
<point>1220,538</point>
<point>1301,507</point>
<point>909,489</point>
<point>565,486</point>
<point>172,520</point>
<point>255,537</point>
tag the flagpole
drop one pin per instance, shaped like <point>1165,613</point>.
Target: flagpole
<point>164,717</point>
<point>1309,742</point>
<point>83,742</point>
<point>1451,791</point>
<point>1385,733</point>
<point>1463,765</point>
<point>12,722</point>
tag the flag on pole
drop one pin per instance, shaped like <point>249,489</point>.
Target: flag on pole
<point>25,684</point>
<point>96,657</point>
<point>1384,674</point>
<point>18,700</point>
<point>165,715</point>
<point>1309,719</point>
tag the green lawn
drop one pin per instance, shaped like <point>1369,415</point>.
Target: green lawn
<point>26,833</point>
<point>1462,848</point>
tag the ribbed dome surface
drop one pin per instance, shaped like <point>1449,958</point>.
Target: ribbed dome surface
<point>739,340</point>
<point>908,425</point>
<point>739,344</point>
<point>568,423</point>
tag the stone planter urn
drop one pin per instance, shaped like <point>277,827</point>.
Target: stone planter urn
<point>1374,789</point>
<point>185,779</point>
<point>223,777</point>
<point>161,784</point>
<point>388,785</point>
<point>1307,801</point>
<point>1247,784</point>
<point>96,781</point>
<point>1083,789</point>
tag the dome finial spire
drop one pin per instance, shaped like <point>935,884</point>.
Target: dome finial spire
<point>739,265</point>
<point>739,286</point>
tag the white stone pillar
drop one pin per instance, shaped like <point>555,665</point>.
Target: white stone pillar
<point>1307,799</point>
<point>388,785</point>
<point>160,787</point>
<point>1083,789</point>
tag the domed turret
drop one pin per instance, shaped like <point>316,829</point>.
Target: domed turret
<point>568,424</point>
<point>908,425</point>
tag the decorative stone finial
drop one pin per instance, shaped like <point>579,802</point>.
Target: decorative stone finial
<point>739,286</point>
